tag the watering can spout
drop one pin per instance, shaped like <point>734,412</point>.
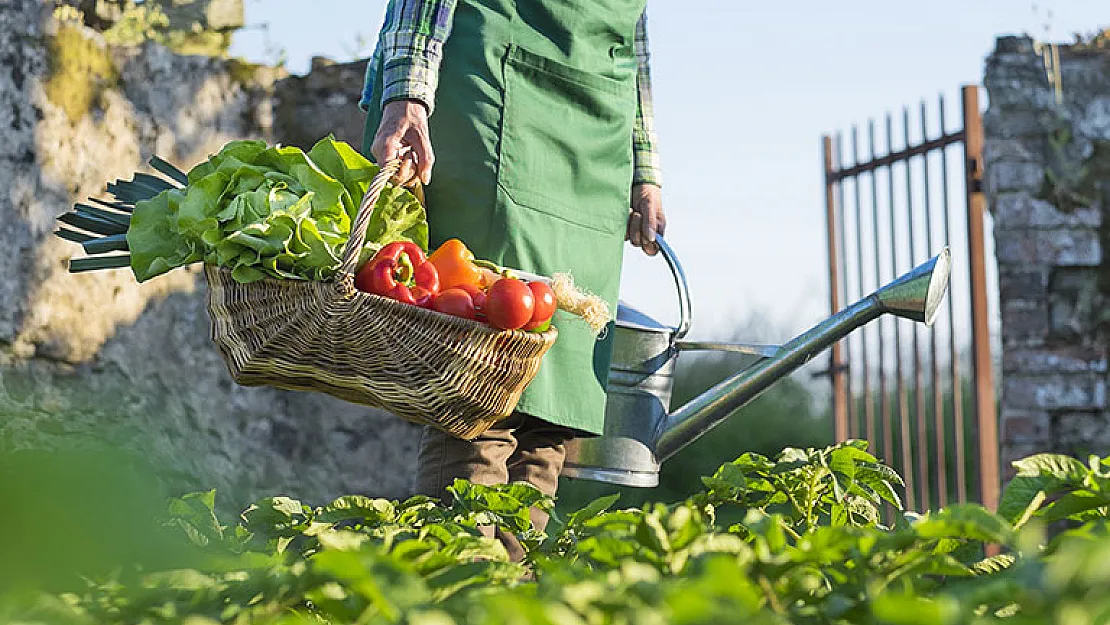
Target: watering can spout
<point>915,295</point>
<point>640,434</point>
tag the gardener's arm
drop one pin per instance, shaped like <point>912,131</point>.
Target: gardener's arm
<point>411,49</point>
<point>646,218</point>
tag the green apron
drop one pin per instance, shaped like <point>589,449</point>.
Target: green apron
<point>532,133</point>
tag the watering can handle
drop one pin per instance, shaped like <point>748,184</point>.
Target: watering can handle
<point>680,285</point>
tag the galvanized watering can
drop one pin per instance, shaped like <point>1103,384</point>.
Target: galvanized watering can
<point>640,430</point>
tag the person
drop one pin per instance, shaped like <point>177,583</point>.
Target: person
<point>536,118</point>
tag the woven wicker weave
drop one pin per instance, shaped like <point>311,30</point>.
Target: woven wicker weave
<point>458,375</point>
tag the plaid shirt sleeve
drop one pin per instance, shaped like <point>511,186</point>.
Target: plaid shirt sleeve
<point>409,50</point>
<point>645,153</point>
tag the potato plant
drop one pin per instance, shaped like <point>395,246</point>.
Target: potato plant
<point>822,539</point>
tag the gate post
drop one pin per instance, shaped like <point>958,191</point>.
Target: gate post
<point>982,364</point>
<point>836,360</point>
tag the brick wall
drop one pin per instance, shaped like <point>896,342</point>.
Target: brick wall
<point>1047,158</point>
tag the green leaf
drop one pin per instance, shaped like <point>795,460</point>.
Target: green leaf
<point>370,511</point>
<point>652,535</point>
<point>1022,496</point>
<point>97,263</point>
<point>846,459</point>
<point>340,161</point>
<point>907,609</point>
<point>93,224</point>
<point>994,564</point>
<point>1078,506</point>
<point>592,509</point>
<point>1058,466</point>
<point>113,243</point>
<point>194,514</point>
<point>527,495</point>
<point>342,540</point>
<point>398,216</point>
<point>453,579</point>
<point>276,516</point>
<point>965,521</point>
<point>200,204</point>
<point>607,550</point>
<point>1047,473</point>
<point>169,170</point>
<point>73,235</point>
<point>93,212</point>
<point>153,238</point>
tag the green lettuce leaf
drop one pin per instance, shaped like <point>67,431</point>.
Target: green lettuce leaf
<point>270,211</point>
<point>153,239</point>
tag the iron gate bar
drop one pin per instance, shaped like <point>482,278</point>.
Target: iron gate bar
<point>953,354</point>
<point>865,373</point>
<point>934,367</point>
<point>836,362</point>
<point>884,403</point>
<point>897,409</point>
<point>848,385</point>
<point>982,364</point>
<point>899,156</point>
<point>918,399</point>
<point>903,407</point>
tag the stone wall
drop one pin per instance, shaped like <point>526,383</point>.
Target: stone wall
<point>1047,156</point>
<point>97,356</point>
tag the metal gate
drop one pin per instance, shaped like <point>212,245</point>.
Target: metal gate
<point>927,408</point>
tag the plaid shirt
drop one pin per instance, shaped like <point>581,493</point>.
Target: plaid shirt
<point>410,47</point>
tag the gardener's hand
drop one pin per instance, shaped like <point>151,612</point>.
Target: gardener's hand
<point>647,218</point>
<point>404,129</point>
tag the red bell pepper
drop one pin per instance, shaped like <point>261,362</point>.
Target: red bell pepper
<point>395,249</point>
<point>400,271</point>
<point>423,297</point>
<point>402,293</point>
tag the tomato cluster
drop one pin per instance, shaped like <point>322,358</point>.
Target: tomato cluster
<point>449,282</point>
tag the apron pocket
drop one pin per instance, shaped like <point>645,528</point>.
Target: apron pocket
<point>566,142</point>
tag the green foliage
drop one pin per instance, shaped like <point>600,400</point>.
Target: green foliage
<point>125,23</point>
<point>1073,171</point>
<point>81,69</point>
<point>808,550</point>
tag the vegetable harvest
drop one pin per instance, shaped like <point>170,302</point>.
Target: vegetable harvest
<point>453,282</point>
<point>260,211</point>
<point>280,212</point>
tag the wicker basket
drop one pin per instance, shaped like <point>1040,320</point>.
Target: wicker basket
<point>458,375</point>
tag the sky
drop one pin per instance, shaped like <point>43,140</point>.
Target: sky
<point>743,93</point>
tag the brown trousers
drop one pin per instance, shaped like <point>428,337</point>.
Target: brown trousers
<point>521,448</point>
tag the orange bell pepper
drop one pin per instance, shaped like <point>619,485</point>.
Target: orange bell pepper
<point>455,265</point>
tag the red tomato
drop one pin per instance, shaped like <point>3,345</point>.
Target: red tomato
<point>545,302</point>
<point>454,302</point>
<point>510,304</point>
<point>477,295</point>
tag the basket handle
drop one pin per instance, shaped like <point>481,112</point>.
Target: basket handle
<point>362,218</point>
